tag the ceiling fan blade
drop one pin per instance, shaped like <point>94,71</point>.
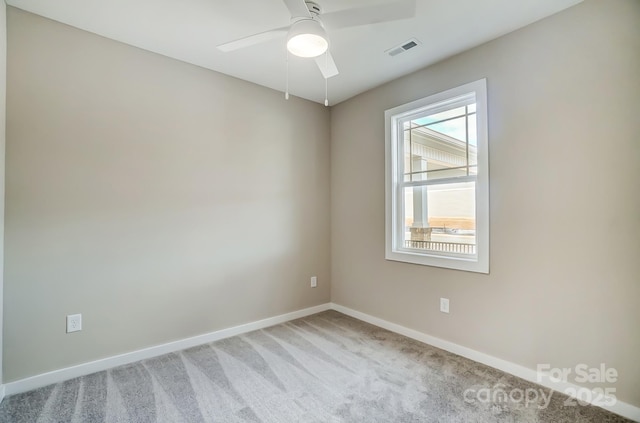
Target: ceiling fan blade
<point>298,8</point>
<point>327,65</point>
<point>253,39</point>
<point>383,12</point>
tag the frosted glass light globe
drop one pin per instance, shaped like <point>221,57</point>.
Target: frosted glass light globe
<point>307,38</point>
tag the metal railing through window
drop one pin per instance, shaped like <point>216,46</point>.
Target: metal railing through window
<point>445,247</point>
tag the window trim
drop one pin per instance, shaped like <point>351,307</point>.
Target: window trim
<point>393,116</point>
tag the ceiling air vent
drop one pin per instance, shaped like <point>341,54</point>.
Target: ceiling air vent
<point>409,44</point>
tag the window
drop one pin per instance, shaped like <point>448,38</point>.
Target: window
<point>437,193</point>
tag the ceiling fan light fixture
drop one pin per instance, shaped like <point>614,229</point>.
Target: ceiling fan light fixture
<point>307,38</point>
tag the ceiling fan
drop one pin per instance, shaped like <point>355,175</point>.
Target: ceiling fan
<point>306,35</point>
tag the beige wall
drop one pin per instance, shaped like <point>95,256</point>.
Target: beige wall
<point>565,203</point>
<point>158,199</point>
<point>3,86</point>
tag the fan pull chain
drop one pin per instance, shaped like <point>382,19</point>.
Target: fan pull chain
<point>326,80</point>
<point>286,92</point>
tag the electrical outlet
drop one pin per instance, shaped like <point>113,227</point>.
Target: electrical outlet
<point>314,281</point>
<point>444,305</point>
<point>74,323</point>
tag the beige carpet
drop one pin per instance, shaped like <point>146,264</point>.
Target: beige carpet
<point>324,368</point>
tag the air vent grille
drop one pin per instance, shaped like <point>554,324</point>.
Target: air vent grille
<point>407,45</point>
<point>410,44</point>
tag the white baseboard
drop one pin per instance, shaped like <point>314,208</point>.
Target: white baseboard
<point>56,376</point>
<point>1,392</point>
<point>621,408</point>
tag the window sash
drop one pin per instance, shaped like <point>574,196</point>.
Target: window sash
<point>399,240</point>
<point>429,110</point>
<point>452,180</point>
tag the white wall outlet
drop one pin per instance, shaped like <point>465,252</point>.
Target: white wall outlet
<point>74,323</point>
<point>444,305</point>
<point>314,281</point>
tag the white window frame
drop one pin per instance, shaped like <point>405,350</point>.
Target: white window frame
<point>394,219</point>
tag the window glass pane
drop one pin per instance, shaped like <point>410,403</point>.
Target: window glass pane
<point>455,128</point>
<point>473,130</point>
<point>440,218</point>
<point>407,156</point>
<point>439,116</point>
<point>431,156</point>
<point>472,108</point>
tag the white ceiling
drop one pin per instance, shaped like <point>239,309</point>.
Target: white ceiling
<point>189,30</point>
